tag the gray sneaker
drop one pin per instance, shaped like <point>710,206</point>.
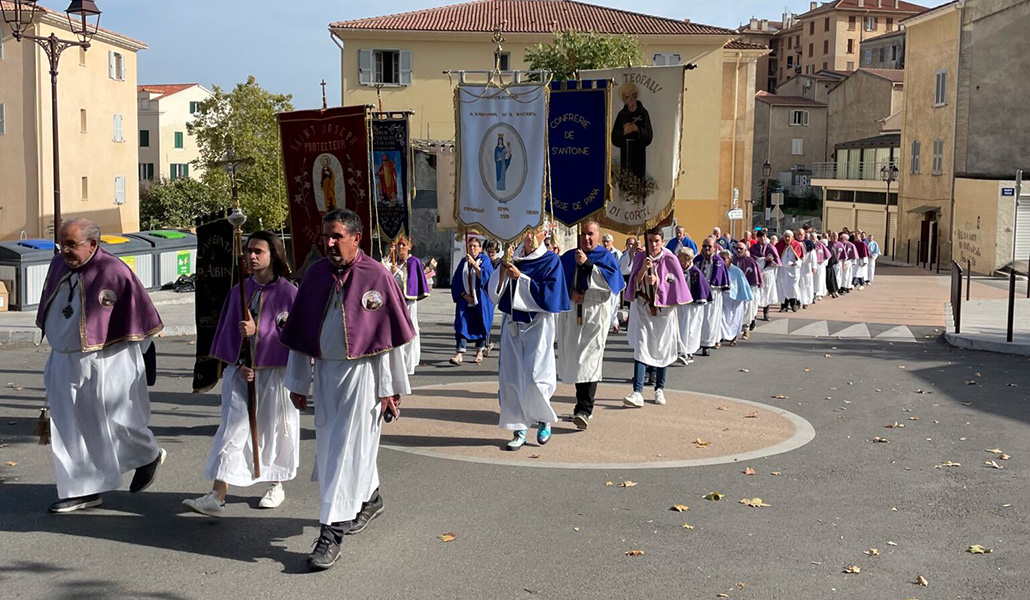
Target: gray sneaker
<point>326,552</point>
<point>369,510</point>
<point>582,421</point>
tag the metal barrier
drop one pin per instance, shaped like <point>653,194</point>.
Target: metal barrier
<point>1012,303</point>
<point>956,298</point>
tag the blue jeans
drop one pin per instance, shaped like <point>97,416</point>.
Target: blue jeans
<point>462,344</point>
<point>638,376</point>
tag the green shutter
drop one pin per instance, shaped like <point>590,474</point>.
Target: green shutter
<point>144,138</point>
<point>186,170</point>
<point>178,139</point>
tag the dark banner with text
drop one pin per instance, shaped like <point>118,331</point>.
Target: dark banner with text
<point>579,141</point>
<point>326,164</point>
<point>216,274</point>
<point>391,175</point>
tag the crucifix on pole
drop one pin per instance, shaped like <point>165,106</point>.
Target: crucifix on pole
<point>325,104</point>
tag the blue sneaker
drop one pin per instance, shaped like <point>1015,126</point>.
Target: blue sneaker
<point>517,441</point>
<point>543,433</point>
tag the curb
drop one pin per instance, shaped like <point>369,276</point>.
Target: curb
<point>968,343</point>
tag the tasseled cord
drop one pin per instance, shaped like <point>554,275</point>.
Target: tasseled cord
<point>43,426</point>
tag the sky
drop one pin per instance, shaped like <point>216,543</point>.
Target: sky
<point>286,45</point>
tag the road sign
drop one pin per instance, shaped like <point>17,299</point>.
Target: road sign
<point>736,214</point>
<point>776,198</point>
<point>777,213</point>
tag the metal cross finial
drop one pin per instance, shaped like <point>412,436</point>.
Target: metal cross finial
<point>498,38</point>
<point>324,103</point>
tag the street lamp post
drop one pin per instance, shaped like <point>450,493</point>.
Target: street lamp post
<point>766,170</point>
<point>889,174</point>
<point>83,20</point>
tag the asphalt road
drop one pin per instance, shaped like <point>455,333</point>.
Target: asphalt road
<point>527,533</point>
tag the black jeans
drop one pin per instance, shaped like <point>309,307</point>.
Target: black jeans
<point>585,393</point>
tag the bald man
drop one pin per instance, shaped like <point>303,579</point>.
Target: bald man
<point>98,320</point>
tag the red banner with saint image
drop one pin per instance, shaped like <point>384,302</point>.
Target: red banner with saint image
<point>325,161</point>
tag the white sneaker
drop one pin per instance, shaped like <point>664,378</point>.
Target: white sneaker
<point>659,396</point>
<point>208,504</point>
<point>635,399</point>
<point>273,497</point>
<point>684,360</point>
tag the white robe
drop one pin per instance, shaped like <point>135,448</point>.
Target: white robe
<point>788,279</point>
<point>807,280</point>
<point>849,274</point>
<point>412,351</point>
<point>872,266</point>
<point>861,268</point>
<point>732,317</point>
<point>654,338</point>
<point>691,316</point>
<point>768,294</point>
<point>348,419</point>
<point>99,405</point>
<point>231,458</point>
<point>527,371</point>
<point>820,279</point>
<point>711,324</point>
<point>581,347</point>
<point>751,306</point>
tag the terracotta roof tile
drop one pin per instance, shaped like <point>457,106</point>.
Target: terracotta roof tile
<point>741,45</point>
<point>775,100</point>
<point>531,16</point>
<point>7,5</point>
<point>869,5</point>
<point>895,75</point>
<point>164,89</point>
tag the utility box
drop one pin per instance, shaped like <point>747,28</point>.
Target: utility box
<point>24,265</point>
<point>174,253</point>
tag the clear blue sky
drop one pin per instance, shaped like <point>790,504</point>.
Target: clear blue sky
<point>286,45</point>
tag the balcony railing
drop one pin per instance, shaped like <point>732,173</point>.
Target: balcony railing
<point>868,171</point>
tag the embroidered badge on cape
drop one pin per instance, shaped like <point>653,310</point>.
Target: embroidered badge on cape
<point>107,298</point>
<point>372,300</point>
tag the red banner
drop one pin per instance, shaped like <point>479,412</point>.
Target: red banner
<point>325,160</point>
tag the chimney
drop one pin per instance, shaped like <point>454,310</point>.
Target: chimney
<point>879,3</point>
<point>753,24</point>
<point>814,5</point>
<point>765,25</point>
<point>861,3</point>
<point>896,4</point>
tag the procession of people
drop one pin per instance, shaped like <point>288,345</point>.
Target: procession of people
<point>348,337</point>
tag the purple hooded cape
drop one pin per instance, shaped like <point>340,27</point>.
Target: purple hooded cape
<point>764,251</point>
<point>276,301</point>
<point>861,248</point>
<point>115,306</point>
<point>850,252</point>
<point>750,268</point>
<point>671,289</point>
<point>838,250</point>
<point>367,330</point>
<point>699,288</point>
<point>600,259</point>
<point>719,278</point>
<point>822,253</point>
<point>418,287</point>
<point>473,322</point>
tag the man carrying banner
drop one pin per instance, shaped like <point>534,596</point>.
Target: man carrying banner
<point>529,290</point>
<point>473,307</point>
<point>231,461</point>
<point>98,319</point>
<point>411,278</point>
<point>344,332</point>
<point>656,289</point>
<point>592,277</point>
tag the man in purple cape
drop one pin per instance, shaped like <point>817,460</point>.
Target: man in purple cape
<point>530,291</point>
<point>592,279</point>
<point>753,273</point>
<point>656,290</point>
<point>714,270</point>
<point>411,278</point>
<point>346,326</point>
<point>231,459</point>
<point>473,307</point>
<point>98,320</point>
<point>691,315</point>
<point>862,262</point>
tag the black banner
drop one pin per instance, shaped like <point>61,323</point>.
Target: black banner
<point>391,175</point>
<point>216,274</point>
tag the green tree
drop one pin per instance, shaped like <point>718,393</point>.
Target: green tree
<point>247,114</point>
<point>175,204</point>
<point>571,52</point>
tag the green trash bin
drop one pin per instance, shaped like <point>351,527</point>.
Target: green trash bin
<point>174,253</point>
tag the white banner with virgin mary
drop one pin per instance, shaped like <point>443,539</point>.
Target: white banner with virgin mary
<point>502,154</point>
<point>647,118</point>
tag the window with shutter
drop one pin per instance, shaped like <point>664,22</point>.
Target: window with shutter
<point>3,119</point>
<point>405,70</point>
<point>118,129</point>
<point>797,147</point>
<point>110,64</point>
<point>938,157</point>
<point>365,75</point>
<point>85,189</point>
<point>940,95</point>
<point>178,139</point>
<point>915,157</point>
<point>119,190</point>
<point>144,138</point>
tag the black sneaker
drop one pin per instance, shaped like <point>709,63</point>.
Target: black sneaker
<point>326,551</point>
<point>147,474</point>
<point>582,420</point>
<point>369,510</point>
<point>78,503</point>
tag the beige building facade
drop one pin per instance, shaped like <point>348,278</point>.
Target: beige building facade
<point>400,60</point>
<point>790,133</point>
<point>97,132</point>
<point>166,150</point>
<point>859,104</point>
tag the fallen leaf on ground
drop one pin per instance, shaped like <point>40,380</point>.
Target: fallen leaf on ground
<point>993,465</point>
<point>716,496</point>
<point>901,366</point>
<point>751,415</point>
<point>687,526</point>
<point>881,440</point>
<point>628,483</point>
<point>744,371</point>
<point>749,471</point>
<point>978,549</point>
<point>1005,505</point>
<point>754,502</point>
<point>948,463</point>
<point>828,355</point>
<point>913,418</point>
<point>608,484</point>
<point>962,439</point>
<point>191,343</point>
<point>447,537</point>
<point>971,382</point>
<point>1004,457</point>
<point>924,391</point>
<point>701,443</point>
<point>722,595</point>
<point>633,552</point>
<point>1013,385</point>
<point>11,463</point>
<point>776,473</point>
<point>920,580</point>
<point>534,456</point>
<point>779,397</point>
<point>994,450</point>
<point>680,507</point>
<point>967,404</point>
<point>894,425</point>
<point>892,544</point>
<point>872,552</point>
<point>723,408</point>
<point>807,370</point>
<point>853,569</point>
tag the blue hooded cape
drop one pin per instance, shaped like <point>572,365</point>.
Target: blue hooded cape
<point>546,286</point>
<point>473,322</point>
<point>598,258</point>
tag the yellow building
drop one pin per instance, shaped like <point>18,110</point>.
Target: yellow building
<point>830,34</point>
<point>400,60</point>
<point>97,132</point>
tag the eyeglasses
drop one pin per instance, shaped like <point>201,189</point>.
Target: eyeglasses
<point>706,245</point>
<point>69,246</point>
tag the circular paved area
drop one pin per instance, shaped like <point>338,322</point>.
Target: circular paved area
<point>459,421</point>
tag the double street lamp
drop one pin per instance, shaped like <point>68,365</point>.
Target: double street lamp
<point>889,174</point>
<point>83,21</point>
